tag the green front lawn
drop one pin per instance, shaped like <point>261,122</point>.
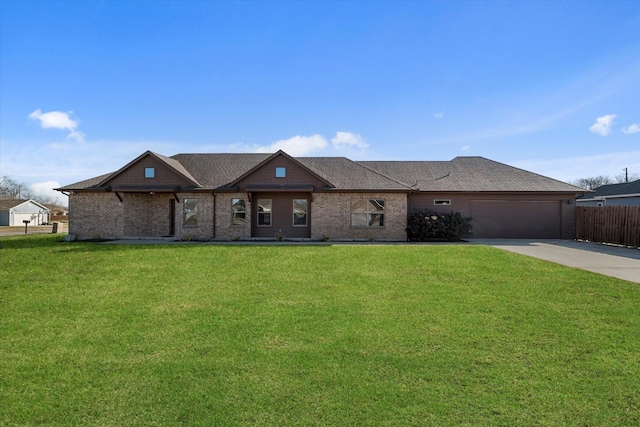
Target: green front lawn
<point>310,335</point>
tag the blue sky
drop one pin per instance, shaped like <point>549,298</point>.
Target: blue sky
<point>86,86</point>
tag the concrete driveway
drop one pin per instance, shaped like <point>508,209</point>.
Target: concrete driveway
<point>622,263</point>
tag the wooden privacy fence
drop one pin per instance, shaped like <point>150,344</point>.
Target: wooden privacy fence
<point>619,225</point>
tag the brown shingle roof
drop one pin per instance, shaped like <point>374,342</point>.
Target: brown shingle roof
<point>86,184</point>
<point>346,174</point>
<point>468,174</point>
<point>458,175</point>
<point>216,170</point>
<point>175,164</point>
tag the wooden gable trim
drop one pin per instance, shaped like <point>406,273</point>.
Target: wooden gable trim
<point>119,196</point>
<point>111,177</point>
<point>275,155</point>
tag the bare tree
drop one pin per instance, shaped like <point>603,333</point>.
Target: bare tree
<point>627,177</point>
<point>12,189</point>
<point>593,182</point>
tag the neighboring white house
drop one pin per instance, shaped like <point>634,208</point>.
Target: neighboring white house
<point>15,212</point>
<point>625,194</point>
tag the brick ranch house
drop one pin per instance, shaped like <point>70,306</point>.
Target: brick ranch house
<point>268,196</point>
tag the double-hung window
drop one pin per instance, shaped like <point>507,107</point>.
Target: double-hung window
<point>367,213</point>
<point>264,212</point>
<point>190,211</point>
<point>238,211</point>
<point>300,212</point>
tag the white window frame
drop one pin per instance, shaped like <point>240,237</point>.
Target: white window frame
<point>306,212</point>
<point>235,220</point>
<point>369,213</point>
<point>188,214</point>
<point>263,213</point>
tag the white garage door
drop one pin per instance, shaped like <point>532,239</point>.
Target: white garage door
<point>516,219</point>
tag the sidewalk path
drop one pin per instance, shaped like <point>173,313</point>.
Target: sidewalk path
<point>614,261</point>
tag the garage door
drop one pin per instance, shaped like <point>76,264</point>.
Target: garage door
<point>516,220</point>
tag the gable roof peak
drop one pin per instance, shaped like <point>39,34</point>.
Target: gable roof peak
<point>280,153</point>
<point>172,163</point>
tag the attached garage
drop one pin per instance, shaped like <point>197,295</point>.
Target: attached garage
<point>516,219</point>
<point>506,216</point>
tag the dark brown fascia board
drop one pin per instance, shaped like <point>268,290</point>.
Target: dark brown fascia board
<point>136,160</point>
<point>371,190</point>
<point>273,156</point>
<point>250,189</point>
<point>89,190</point>
<point>225,189</point>
<point>278,188</point>
<point>146,188</point>
<point>137,189</point>
<point>498,192</point>
<point>117,193</point>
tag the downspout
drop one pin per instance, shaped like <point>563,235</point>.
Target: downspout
<point>214,215</point>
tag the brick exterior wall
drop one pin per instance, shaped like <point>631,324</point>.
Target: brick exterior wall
<point>146,215</point>
<point>331,217</point>
<point>104,216</point>
<point>96,216</point>
<point>225,230</point>
<point>204,228</point>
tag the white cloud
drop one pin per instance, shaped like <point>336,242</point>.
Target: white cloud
<point>46,189</point>
<point>301,145</point>
<point>602,126</point>
<point>67,163</point>
<point>465,148</point>
<point>634,128</point>
<point>296,146</point>
<point>348,140</point>
<point>438,115</point>
<point>58,120</point>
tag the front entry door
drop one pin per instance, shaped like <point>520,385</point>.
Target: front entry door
<point>286,215</point>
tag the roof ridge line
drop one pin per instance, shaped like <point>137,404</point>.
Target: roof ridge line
<point>528,171</point>
<point>410,187</point>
